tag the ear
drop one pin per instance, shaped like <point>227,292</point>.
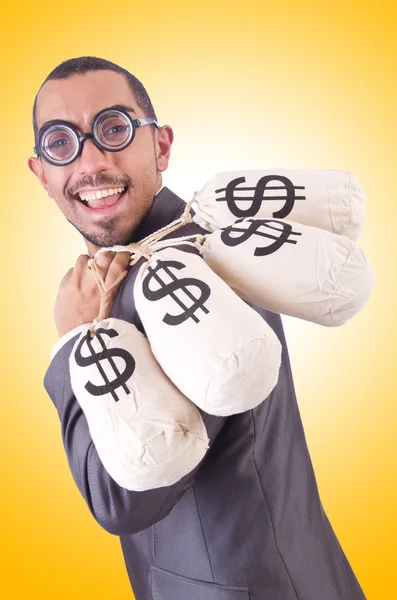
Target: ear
<point>164,139</point>
<point>36,166</point>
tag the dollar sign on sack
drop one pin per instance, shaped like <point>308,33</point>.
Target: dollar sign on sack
<point>170,289</point>
<point>259,190</point>
<point>284,231</point>
<point>105,354</point>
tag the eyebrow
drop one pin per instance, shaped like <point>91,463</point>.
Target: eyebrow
<point>76,126</point>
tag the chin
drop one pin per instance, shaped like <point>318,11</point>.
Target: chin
<point>105,239</point>
<point>109,234</point>
<point>112,241</point>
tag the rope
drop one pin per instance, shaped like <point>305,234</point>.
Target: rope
<point>198,237</point>
<point>105,292</point>
<point>144,249</point>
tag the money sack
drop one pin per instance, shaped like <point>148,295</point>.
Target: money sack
<point>218,351</point>
<point>293,269</point>
<point>147,434</point>
<point>328,199</point>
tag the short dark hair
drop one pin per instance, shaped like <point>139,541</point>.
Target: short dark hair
<point>84,64</point>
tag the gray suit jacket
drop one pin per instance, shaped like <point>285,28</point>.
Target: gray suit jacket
<point>247,523</point>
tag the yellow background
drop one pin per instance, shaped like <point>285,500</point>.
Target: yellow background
<point>245,85</point>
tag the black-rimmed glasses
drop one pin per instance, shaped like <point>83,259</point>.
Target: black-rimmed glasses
<point>59,143</point>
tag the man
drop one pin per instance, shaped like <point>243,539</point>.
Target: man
<point>247,523</point>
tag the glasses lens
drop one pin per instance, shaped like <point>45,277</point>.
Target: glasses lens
<point>59,143</point>
<point>113,129</point>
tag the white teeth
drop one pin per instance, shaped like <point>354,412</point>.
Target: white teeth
<point>100,193</point>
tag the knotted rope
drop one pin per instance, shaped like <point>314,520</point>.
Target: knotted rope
<point>144,249</point>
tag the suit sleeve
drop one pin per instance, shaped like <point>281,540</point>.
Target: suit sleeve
<point>117,510</point>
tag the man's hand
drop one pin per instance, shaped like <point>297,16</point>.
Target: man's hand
<point>79,298</point>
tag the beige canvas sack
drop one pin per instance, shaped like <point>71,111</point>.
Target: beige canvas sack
<point>219,352</point>
<point>147,434</point>
<point>331,200</point>
<point>293,269</point>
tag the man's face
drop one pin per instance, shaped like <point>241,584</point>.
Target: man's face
<point>137,169</point>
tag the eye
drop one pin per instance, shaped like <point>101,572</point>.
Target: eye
<point>115,130</point>
<point>112,130</point>
<point>115,133</point>
<point>59,143</point>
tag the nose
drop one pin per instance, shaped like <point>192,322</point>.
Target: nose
<point>92,159</point>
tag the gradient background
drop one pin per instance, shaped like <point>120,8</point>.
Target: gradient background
<point>244,85</point>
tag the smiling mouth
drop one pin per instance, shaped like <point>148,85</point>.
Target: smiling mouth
<point>100,198</point>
